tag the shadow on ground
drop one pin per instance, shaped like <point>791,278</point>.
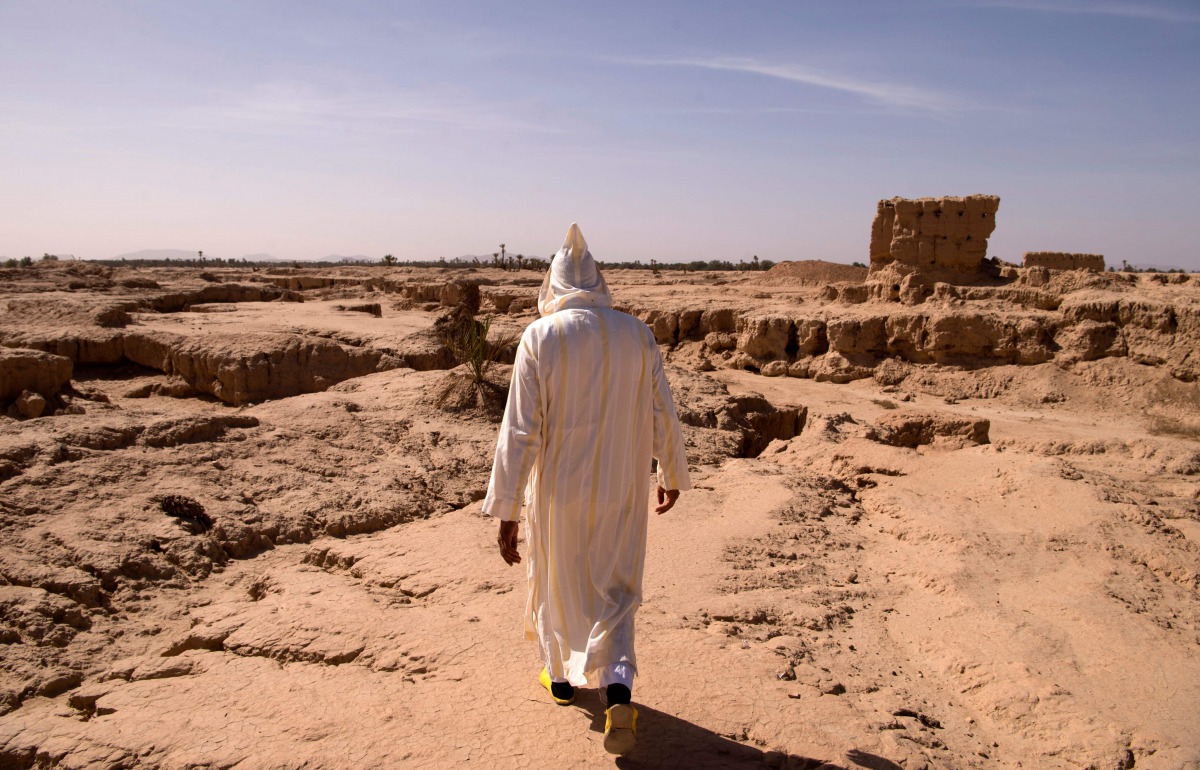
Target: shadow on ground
<point>665,741</point>
<point>871,761</point>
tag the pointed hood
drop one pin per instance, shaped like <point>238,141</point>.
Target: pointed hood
<point>573,280</point>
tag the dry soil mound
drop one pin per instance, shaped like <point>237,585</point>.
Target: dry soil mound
<point>814,271</point>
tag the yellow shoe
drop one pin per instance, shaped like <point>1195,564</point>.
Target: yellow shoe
<point>545,681</point>
<point>620,728</point>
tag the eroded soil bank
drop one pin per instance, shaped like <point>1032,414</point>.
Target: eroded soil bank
<point>240,526</point>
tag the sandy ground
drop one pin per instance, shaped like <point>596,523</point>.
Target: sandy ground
<point>837,601</point>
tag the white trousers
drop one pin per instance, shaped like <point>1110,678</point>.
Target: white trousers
<point>614,673</point>
<point>617,673</point>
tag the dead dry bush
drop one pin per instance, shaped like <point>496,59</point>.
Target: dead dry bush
<point>1176,427</point>
<point>461,393</point>
<point>1174,410</point>
<point>191,514</point>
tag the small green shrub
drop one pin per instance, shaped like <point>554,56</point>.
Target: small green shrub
<point>469,343</point>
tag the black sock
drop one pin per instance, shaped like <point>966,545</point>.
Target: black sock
<point>562,690</point>
<point>618,693</point>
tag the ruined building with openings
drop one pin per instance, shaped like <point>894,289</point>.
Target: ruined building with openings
<point>915,243</point>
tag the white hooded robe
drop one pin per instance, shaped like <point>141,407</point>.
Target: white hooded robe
<point>588,407</point>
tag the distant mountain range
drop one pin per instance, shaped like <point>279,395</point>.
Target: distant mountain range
<point>159,254</point>
<point>354,258</point>
<point>152,254</point>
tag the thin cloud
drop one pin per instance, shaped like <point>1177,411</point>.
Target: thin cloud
<point>286,106</point>
<point>889,94</point>
<point>740,112</point>
<point>1145,11</point>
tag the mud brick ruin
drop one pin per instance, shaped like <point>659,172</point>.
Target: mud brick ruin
<point>1061,260</point>
<point>943,237</point>
<point>917,243</point>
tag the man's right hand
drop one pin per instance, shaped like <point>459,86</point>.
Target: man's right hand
<point>507,538</point>
<point>666,499</point>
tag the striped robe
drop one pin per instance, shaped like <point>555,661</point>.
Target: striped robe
<point>588,407</point>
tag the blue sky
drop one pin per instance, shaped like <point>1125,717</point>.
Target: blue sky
<point>668,130</point>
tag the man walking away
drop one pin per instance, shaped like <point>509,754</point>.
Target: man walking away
<point>588,408</point>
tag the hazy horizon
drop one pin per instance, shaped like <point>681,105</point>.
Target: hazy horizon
<point>183,255</point>
<point>674,131</point>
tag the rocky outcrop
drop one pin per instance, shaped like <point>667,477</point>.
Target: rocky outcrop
<point>69,443</point>
<point>424,350</point>
<point>191,430</point>
<point>300,283</point>
<point>820,343</point>
<point>1043,315</point>
<point>732,426</point>
<point>903,429</point>
<point>673,326</point>
<point>765,337</point>
<point>1150,332</point>
<point>305,282</point>
<point>82,346</point>
<point>445,293</point>
<point>1019,296</point>
<point>1027,322</point>
<point>173,302</point>
<point>839,348</point>
<point>502,298</point>
<point>28,378</point>
<point>236,369</point>
<point>255,367</point>
<point>1060,260</point>
<point>449,293</point>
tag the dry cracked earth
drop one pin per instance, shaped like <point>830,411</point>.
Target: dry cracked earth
<point>240,525</point>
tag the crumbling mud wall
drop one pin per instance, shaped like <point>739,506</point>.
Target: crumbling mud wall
<point>829,345</point>
<point>917,242</point>
<point>1061,260</point>
<point>1040,315</point>
<point>840,349</point>
<point>826,344</point>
